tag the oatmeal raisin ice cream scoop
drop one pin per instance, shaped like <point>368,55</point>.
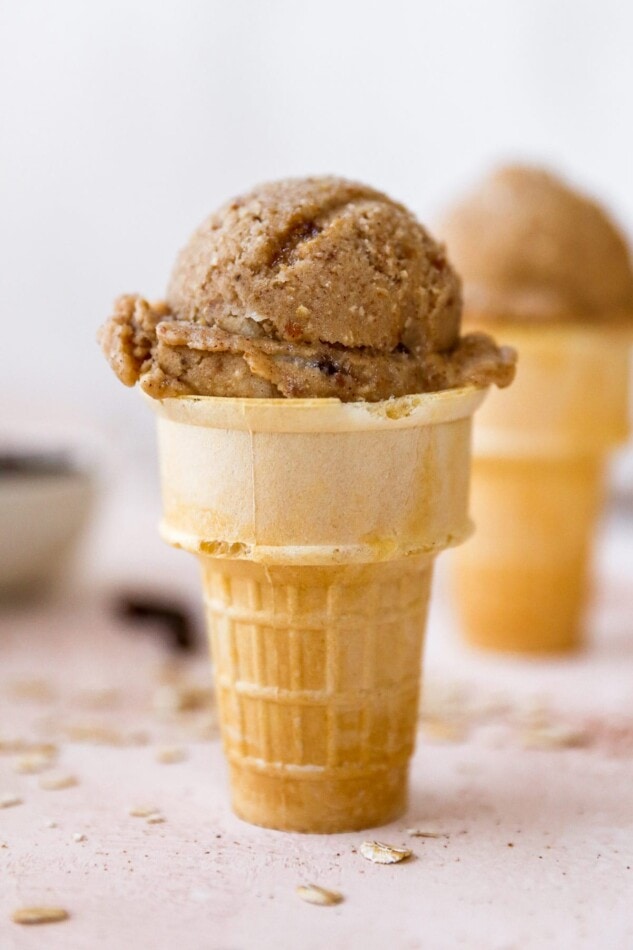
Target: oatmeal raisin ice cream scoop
<point>304,288</point>
<point>529,247</point>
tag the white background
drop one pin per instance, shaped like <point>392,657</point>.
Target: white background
<point>123,123</point>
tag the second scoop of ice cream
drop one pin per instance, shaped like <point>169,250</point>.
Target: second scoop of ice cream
<point>306,287</point>
<point>529,247</point>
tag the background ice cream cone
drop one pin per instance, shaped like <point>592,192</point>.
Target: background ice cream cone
<point>316,523</point>
<point>540,451</point>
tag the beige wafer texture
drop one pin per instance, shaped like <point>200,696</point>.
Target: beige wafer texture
<point>523,581</point>
<point>317,672</point>
<point>316,524</point>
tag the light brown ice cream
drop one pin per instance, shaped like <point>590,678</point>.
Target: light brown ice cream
<point>529,247</point>
<point>307,287</point>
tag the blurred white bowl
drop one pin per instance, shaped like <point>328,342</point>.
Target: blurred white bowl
<point>44,505</point>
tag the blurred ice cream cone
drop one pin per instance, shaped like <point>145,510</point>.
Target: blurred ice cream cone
<point>547,269</point>
<point>540,452</point>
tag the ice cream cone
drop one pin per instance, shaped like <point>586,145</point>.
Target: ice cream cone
<point>317,523</point>
<point>540,450</point>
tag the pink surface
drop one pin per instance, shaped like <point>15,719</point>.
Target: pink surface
<point>539,848</point>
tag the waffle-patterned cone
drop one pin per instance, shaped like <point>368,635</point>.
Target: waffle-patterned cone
<point>317,674</point>
<point>523,580</point>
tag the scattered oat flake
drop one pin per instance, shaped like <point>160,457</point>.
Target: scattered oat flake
<point>418,833</point>
<point>39,915</point>
<point>181,697</point>
<point>170,755</point>
<point>554,737</point>
<point>7,800</point>
<point>57,781</point>
<point>314,894</point>
<point>155,818</point>
<point>143,811</point>
<point>96,734</point>
<point>32,762</point>
<point>78,836</point>
<point>381,853</point>
<point>443,730</point>
<point>34,690</point>
<point>15,746</point>
<point>50,823</point>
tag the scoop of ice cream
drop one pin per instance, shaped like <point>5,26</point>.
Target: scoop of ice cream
<point>307,287</point>
<point>319,259</point>
<point>530,247</point>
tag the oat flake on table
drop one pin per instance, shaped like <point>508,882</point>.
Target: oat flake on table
<point>419,833</point>
<point>313,894</point>
<point>381,853</point>
<point>39,915</point>
<point>8,800</point>
<point>143,811</point>
<point>55,782</point>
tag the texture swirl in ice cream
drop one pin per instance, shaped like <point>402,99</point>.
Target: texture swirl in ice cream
<point>305,288</point>
<point>529,247</point>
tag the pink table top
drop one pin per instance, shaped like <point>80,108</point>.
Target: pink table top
<point>524,769</point>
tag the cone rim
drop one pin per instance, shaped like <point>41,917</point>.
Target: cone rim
<point>320,415</point>
<point>309,555</point>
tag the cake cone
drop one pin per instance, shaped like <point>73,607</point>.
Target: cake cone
<point>317,523</point>
<point>540,450</point>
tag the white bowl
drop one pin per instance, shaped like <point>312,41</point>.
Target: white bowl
<point>42,514</point>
